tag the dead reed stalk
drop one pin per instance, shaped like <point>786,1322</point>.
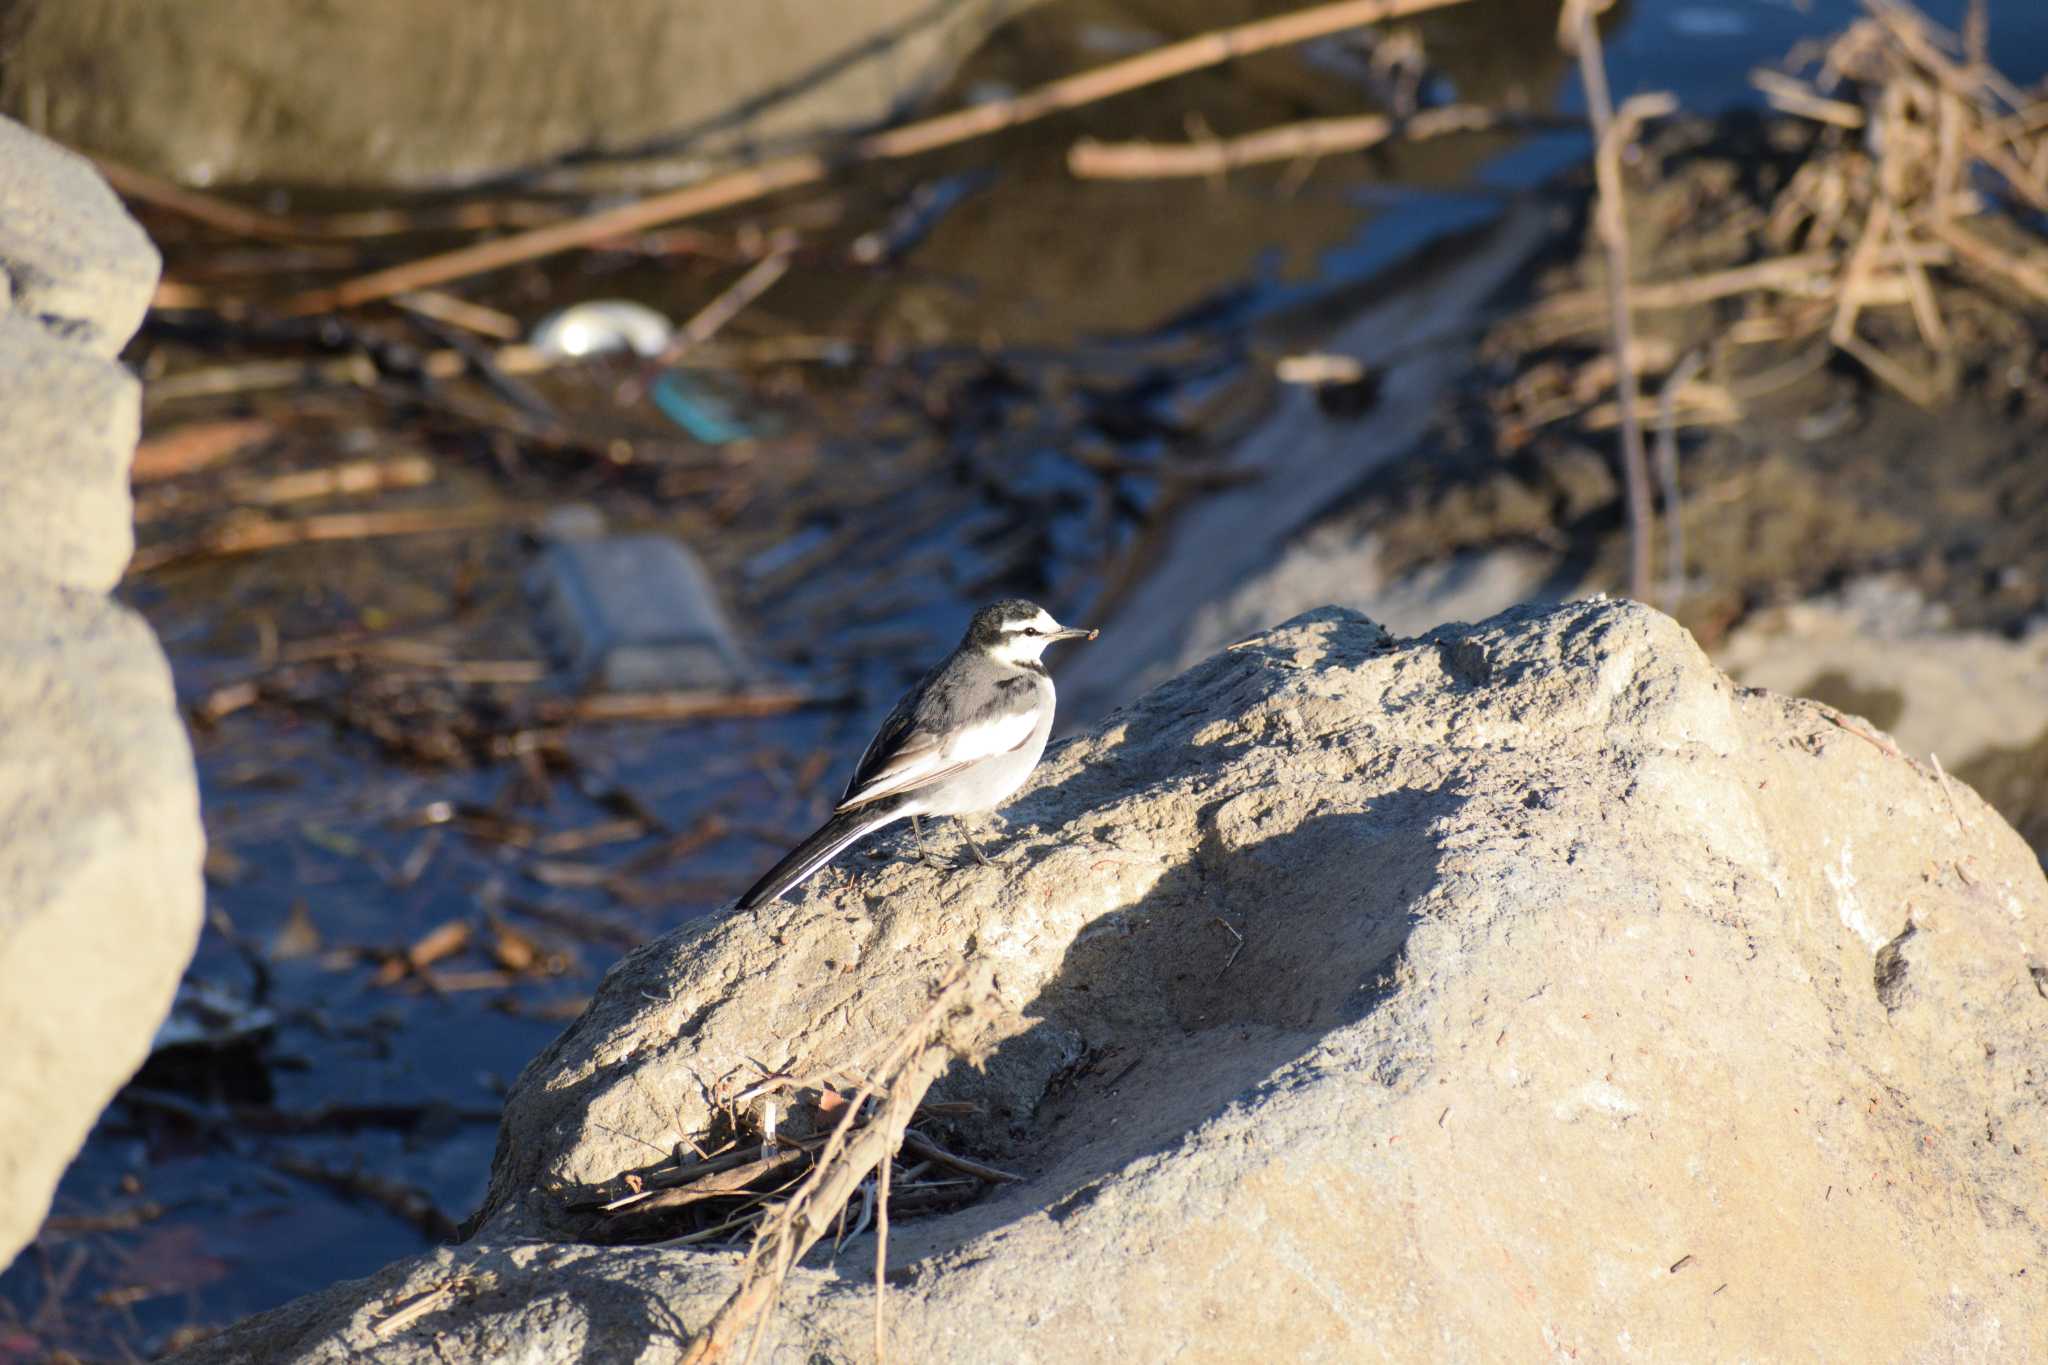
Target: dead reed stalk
<point>1089,159</point>
<point>1612,133</point>
<point>896,1081</point>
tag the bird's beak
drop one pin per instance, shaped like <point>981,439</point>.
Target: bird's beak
<point>1075,633</point>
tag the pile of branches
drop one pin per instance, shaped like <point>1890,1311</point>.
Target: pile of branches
<point>784,1193</point>
<point>1895,222</point>
<point>1922,140</point>
<point>723,1197</point>
<point>816,1145</point>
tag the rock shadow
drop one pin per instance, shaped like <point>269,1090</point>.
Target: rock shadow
<point>1235,965</point>
<point>602,1310</point>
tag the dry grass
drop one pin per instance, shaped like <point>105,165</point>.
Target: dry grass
<point>821,1154</point>
<point>1886,224</point>
<point>1888,212</point>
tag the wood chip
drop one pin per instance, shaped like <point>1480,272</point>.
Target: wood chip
<point>196,446</point>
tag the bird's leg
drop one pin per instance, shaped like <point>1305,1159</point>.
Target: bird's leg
<point>974,844</point>
<point>924,855</point>
<point>974,847</point>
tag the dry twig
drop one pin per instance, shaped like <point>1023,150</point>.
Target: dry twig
<point>897,1078</point>
<point>1949,792</point>
<point>1612,132</point>
<point>1092,160</point>
<point>192,448</point>
<point>712,318</point>
<point>920,1145</point>
<point>1667,473</point>
<point>204,208</point>
<point>241,535</point>
<point>789,172</point>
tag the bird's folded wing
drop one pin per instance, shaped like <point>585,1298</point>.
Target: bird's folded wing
<point>921,757</point>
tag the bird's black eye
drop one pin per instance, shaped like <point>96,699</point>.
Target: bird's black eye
<point>1033,630</point>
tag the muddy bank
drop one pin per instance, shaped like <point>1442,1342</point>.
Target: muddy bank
<point>1800,472</point>
<point>387,92</point>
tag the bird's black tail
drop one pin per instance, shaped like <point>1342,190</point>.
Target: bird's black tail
<point>821,848</point>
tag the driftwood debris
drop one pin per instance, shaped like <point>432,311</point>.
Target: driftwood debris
<point>945,130</point>
<point>1887,210</point>
<point>1881,233</point>
<point>1093,160</point>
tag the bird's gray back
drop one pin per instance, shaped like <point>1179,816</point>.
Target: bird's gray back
<point>967,690</point>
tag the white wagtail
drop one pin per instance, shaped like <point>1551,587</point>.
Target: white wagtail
<point>960,742</point>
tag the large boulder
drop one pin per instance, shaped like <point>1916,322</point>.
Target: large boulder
<point>100,839</point>
<point>1525,990</point>
<point>394,92</point>
<point>69,420</point>
<point>1514,991</point>
<point>76,275</point>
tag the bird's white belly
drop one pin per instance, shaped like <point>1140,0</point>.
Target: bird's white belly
<point>992,781</point>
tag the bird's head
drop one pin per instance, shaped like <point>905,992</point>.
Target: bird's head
<point>1017,632</point>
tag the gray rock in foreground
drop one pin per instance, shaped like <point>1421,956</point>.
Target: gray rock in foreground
<point>68,421</point>
<point>100,845</point>
<point>100,839</point>
<point>71,258</point>
<point>1588,1006</point>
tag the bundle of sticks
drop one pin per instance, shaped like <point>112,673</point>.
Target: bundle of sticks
<point>1898,215</point>
<point>1923,138</point>
<point>722,1198</point>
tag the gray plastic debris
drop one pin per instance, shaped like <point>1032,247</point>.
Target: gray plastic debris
<point>630,613</point>
<point>603,325</point>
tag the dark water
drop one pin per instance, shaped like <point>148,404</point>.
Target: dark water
<point>348,1132</point>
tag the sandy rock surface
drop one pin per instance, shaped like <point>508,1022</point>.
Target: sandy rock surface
<point>1588,1007</point>
<point>100,840</point>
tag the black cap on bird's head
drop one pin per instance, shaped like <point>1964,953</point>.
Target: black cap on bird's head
<point>1018,626</point>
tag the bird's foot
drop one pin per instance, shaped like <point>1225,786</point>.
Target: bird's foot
<point>924,855</point>
<point>979,856</point>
